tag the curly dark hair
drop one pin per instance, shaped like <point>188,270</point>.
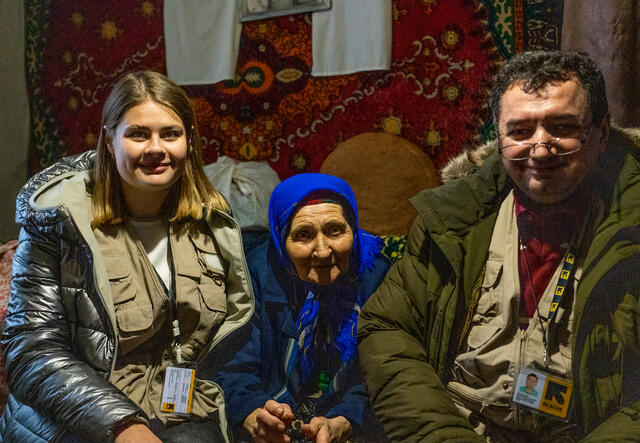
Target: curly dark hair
<point>537,69</point>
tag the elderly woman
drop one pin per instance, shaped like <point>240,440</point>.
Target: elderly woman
<point>128,273</point>
<point>300,360</point>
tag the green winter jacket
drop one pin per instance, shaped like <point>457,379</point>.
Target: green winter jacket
<point>410,330</point>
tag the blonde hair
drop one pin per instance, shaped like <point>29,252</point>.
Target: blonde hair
<point>192,196</point>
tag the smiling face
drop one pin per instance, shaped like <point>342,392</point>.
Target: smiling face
<point>540,116</point>
<point>150,148</point>
<point>319,243</point>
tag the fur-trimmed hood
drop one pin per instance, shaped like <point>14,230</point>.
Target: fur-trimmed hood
<point>469,160</point>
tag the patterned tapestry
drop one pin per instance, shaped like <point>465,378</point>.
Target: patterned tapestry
<point>445,53</point>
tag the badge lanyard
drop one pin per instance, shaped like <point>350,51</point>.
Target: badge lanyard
<point>563,281</point>
<point>171,294</point>
<point>179,381</point>
<point>551,394</point>
<point>558,293</point>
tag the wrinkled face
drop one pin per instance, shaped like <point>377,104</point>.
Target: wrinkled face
<point>319,243</point>
<point>554,110</point>
<point>150,148</point>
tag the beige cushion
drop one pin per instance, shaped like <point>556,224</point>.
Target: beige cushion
<point>384,171</point>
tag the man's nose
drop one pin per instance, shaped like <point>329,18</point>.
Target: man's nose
<point>541,148</point>
<point>540,151</point>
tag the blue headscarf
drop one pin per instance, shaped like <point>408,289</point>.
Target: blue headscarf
<point>286,199</point>
<point>289,195</point>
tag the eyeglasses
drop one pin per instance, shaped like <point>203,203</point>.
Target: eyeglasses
<point>557,146</point>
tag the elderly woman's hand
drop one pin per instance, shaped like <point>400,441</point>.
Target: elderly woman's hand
<point>268,424</point>
<point>326,430</point>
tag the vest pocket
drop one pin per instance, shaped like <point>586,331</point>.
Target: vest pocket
<point>133,313</point>
<point>134,317</point>
<point>481,334</point>
<point>212,284</point>
<point>488,309</point>
<point>213,309</point>
<point>213,298</point>
<point>207,307</point>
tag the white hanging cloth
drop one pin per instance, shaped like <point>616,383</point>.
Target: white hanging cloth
<point>202,39</point>
<point>353,36</point>
<point>247,186</point>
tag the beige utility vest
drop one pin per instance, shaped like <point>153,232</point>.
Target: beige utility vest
<point>144,313</point>
<point>496,348</point>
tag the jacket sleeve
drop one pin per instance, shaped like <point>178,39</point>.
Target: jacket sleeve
<point>407,395</point>
<point>354,404</point>
<point>355,407</point>
<point>623,426</point>
<point>44,368</point>
<point>240,376</point>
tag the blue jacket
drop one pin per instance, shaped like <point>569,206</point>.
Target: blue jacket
<point>255,371</point>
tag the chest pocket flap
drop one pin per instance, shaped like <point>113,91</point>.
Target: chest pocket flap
<point>486,321</point>
<point>202,298</point>
<point>488,303</point>
<point>134,312</point>
<point>122,286</point>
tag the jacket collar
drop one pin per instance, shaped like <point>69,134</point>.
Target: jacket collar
<point>450,210</point>
<point>41,197</point>
<point>455,206</point>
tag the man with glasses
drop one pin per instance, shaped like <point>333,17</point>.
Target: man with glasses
<point>530,265</point>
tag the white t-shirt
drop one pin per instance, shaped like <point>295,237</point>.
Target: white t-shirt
<point>154,235</point>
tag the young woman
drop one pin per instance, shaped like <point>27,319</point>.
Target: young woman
<point>128,273</point>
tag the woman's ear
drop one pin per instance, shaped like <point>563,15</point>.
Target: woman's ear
<point>108,140</point>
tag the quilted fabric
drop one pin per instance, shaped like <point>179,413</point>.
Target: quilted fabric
<point>6,258</point>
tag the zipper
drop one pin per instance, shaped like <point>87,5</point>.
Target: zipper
<point>112,320</point>
<point>92,253</point>
<point>519,364</point>
<point>112,323</point>
<point>471,309</point>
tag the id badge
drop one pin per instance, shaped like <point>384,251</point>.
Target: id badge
<point>177,392</point>
<point>543,392</point>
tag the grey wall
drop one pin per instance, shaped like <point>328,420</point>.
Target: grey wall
<point>14,114</point>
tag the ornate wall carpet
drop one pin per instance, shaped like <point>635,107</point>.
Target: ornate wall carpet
<point>444,56</point>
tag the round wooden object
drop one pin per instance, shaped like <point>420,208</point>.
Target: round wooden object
<point>384,171</point>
